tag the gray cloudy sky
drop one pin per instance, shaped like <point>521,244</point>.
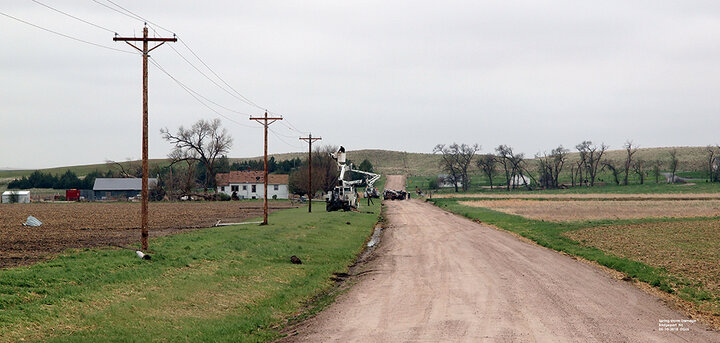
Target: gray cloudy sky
<point>400,75</point>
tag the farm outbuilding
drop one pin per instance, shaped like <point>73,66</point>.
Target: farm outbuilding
<point>250,184</point>
<point>22,197</point>
<point>519,180</point>
<point>119,188</point>
<point>445,181</point>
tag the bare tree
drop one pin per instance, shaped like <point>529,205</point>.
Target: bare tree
<point>513,165</point>
<point>610,165</point>
<point>325,172</point>
<point>656,165</point>
<point>126,169</point>
<point>504,154</point>
<point>591,155</point>
<point>551,165</point>
<point>204,142</point>
<point>456,160</point>
<point>488,164</point>
<point>712,159</point>
<point>638,167</point>
<point>673,165</point>
<point>181,178</point>
<point>630,150</point>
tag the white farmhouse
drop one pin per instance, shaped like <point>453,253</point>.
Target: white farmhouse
<point>21,197</point>
<point>250,184</point>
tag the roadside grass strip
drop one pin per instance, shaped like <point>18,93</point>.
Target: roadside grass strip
<point>555,235</point>
<point>224,284</point>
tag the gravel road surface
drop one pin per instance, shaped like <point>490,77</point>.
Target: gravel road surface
<point>437,277</point>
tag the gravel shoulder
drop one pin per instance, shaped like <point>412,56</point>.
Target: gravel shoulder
<point>439,277</point>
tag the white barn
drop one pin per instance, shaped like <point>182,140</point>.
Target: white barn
<point>250,184</point>
<point>21,197</point>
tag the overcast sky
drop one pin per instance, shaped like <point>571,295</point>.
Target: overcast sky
<point>399,75</point>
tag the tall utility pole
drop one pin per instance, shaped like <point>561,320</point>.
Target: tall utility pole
<point>145,39</point>
<point>265,121</point>
<point>310,140</point>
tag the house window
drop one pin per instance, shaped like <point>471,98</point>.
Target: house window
<point>234,188</point>
<point>222,188</point>
<point>276,187</point>
<point>244,187</point>
<point>254,188</point>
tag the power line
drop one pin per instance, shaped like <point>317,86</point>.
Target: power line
<point>237,94</point>
<point>67,36</point>
<point>286,136</point>
<point>209,78</point>
<point>126,12</point>
<point>284,141</point>
<point>139,17</point>
<point>206,98</point>
<point>197,95</point>
<point>290,126</point>
<point>250,102</point>
<point>74,17</point>
<point>118,11</point>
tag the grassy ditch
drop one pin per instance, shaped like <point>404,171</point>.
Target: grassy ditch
<point>554,235</point>
<point>233,284</point>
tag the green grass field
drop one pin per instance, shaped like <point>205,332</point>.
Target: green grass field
<point>226,284</point>
<point>553,235</point>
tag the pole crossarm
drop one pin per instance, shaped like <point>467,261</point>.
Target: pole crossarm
<point>266,121</point>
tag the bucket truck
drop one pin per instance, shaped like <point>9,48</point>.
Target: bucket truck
<point>344,196</point>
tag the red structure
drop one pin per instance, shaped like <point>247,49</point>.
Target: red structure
<point>72,195</point>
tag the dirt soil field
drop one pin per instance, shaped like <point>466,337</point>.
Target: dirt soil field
<point>603,196</point>
<point>690,249</point>
<point>438,277</point>
<point>572,210</point>
<point>85,225</point>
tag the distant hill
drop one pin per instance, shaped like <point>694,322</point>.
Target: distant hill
<point>397,162</point>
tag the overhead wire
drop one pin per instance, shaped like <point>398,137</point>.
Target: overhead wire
<point>282,140</point>
<point>74,17</point>
<point>250,102</point>
<point>67,36</point>
<point>134,15</point>
<point>118,11</point>
<point>239,96</point>
<point>292,127</point>
<point>138,17</point>
<point>208,77</point>
<point>197,96</point>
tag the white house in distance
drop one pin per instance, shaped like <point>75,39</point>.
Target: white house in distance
<point>250,184</point>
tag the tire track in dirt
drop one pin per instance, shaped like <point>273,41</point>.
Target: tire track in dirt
<point>439,277</point>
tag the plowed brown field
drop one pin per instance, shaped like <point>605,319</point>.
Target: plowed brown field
<point>84,225</point>
<point>574,210</point>
<point>690,249</point>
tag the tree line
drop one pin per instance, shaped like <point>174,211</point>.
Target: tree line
<point>67,180</point>
<point>545,169</point>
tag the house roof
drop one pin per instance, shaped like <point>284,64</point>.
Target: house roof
<point>224,179</point>
<point>121,184</point>
<point>16,192</point>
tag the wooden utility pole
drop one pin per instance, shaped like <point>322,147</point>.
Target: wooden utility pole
<point>310,140</point>
<point>265,121</point>
<point>145,39</point>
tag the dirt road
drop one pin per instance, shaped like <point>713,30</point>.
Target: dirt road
<point>437,277</point>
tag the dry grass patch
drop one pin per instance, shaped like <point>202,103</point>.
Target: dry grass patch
<point>689,249</point>
<point>571,210</point>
